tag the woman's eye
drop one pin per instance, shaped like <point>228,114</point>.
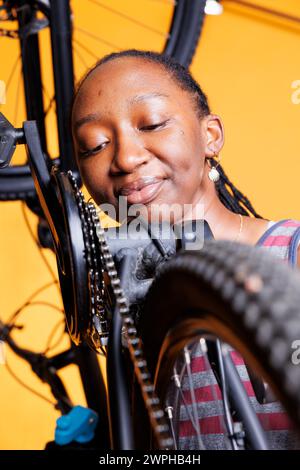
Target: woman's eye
<point>87,153</point>
<point>152,127</point>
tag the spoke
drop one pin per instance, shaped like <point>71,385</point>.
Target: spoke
<point>46,92</point>
<point>93,36</point>
<point>50,105</point>
<point>86,49</point>
<point>225,400</point>
<point>169,411</point>
<point>81,59</point>
<point>129,18</point>
<point>192,392</point>
<point>223,409</point>
<point>51,100</point>
<point>177,382</point>
<point>12,72</point>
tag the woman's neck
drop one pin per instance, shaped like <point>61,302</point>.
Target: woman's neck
<point>224,223</point>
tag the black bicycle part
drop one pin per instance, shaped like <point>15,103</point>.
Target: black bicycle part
<point>185,30</point>
<point>240,294</point>
<point>73,275</point>
<point>94,390</point>
<point>241,404</point>
<point>120,420</point>
<point>9,138</point>
<point>31,68</point>
<point>58,203</point>
<point>42,367</point>
<point>63,70</point>
<point>15,181</point>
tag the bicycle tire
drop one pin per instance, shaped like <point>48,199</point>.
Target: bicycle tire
<point>211,291</point>
<point>185,30</point>
<point>186,25</point>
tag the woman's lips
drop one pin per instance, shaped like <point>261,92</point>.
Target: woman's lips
<point>144,195</point>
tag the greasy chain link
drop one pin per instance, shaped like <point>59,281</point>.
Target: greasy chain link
<point>89,215</point>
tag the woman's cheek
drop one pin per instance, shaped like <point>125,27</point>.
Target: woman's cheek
<point>86,175</point>
<point>91,181</point>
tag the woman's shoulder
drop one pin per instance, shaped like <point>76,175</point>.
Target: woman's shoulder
<point>282,228</point>
<point>282,237</point>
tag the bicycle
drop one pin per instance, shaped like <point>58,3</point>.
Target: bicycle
<point>207,295</point>
<point>78,325</point>
<point>23,21</point>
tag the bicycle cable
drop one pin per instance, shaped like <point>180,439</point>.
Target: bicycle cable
<point>30,389</point>
<point>38,246</point>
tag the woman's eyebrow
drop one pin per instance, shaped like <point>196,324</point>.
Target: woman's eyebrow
<point>88,118</point>
<point>146,96</point>
<point>135,99</point>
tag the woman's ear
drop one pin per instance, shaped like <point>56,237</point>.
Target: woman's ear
<point>214,131</point>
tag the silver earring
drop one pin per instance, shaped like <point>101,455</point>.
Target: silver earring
<point>213,173</point>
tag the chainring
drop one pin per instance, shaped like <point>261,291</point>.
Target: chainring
<point>87,298</point>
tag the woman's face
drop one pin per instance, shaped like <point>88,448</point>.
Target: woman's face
<point>137,135</point>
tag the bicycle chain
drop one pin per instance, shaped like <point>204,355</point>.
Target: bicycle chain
<point>91,226</point>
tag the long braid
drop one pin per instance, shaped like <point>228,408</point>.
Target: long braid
<point>228,194</point>
<point>234,200</point>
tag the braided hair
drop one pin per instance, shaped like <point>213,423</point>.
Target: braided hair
<point>228,194</point>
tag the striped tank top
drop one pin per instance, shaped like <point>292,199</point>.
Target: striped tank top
<point>281,239</point>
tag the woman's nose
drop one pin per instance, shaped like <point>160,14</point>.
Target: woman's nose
<point>129,154</point>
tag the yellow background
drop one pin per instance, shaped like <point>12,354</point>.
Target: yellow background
<point>246,62</point>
